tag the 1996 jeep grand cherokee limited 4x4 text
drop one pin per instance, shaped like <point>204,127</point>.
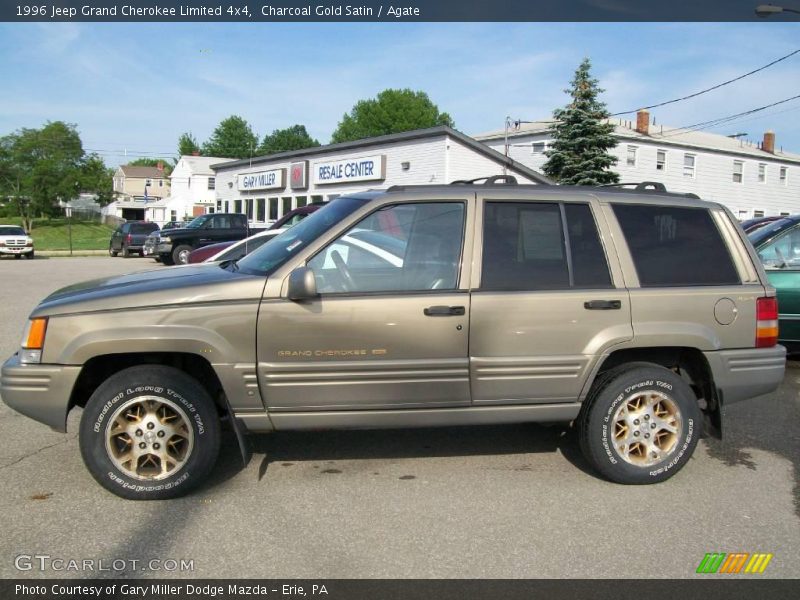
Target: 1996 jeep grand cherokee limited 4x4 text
<point>637,314</point>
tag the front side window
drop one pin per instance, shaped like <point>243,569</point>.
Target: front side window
<point>738,171</point>
<point>675,246</point>
<point>399,248</point>
<point>524,248</point>
<point>783,252</point>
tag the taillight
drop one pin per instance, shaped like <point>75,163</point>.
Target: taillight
<point>129,238</point>
<point>766,322</point>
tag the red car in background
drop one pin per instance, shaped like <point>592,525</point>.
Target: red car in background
<point>289,219</point>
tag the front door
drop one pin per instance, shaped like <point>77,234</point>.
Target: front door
<point>546,304</point>
<point>391,324</point>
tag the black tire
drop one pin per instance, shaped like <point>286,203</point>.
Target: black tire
<point>164,386</point>
<point>157,258</point>
<point>180,255</point>
<point>18,256</point>
<point>30,255</point>
<point>111,251</point>
<point>167,259</point>
<point>126,253</point>
<point>601,421</point>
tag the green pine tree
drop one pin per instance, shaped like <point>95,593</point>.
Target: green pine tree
<point>579,153</point>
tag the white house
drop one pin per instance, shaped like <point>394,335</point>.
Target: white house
<point>752,179</point>
<point>267,187</point>
<point>192,190</point>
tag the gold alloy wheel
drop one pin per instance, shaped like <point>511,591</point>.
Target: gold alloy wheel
<point>149,438</point>
<point>646,428</point>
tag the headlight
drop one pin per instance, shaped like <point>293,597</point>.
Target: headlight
<point>166,240</point>
<point>33,341</point>
<point>29,242</point>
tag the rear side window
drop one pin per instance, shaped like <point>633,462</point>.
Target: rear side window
<point>525,248</point>
<point>675,246</point>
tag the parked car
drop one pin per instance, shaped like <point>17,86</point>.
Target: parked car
<point>293,217</point>
<point>15,241</point>
<point>232,250</point>
<point>752,224</point>
<point>130,237</point>
<point>173,246</point>
<point>634,315</point>
<point>778,247</point>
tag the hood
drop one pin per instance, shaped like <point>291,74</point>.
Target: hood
<point>182,285</point>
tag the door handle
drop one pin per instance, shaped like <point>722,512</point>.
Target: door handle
<point>602,305</point>
<point>444,311</point>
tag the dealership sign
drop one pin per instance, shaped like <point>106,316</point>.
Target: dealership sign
<point>364,168</point>
<point>262,180</point>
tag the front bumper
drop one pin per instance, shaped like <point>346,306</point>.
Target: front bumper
<point>743,374</point>
<point>41,392</point>
<point>16,249</point>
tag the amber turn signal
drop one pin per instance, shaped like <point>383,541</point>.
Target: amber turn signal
<point>35,338</point>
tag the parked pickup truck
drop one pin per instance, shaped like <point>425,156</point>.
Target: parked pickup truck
<point>173,246</point>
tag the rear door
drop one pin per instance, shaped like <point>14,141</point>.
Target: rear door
<point>547,303</point>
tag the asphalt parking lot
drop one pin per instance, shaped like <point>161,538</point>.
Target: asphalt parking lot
<point>511,501</point>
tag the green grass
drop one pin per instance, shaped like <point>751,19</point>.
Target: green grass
<point>53,234</point>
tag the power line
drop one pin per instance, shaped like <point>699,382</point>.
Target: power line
<point>719,85</point>
<point>725,120</point>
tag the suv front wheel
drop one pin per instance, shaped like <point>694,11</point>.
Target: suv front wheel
<point>640,424</point>
<point>149,432</point>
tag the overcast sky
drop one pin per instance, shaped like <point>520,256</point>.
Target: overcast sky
<point>138,86</point>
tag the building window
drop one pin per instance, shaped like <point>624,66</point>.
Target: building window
<point>783,175</point>
<point>148,182</point>
<point>632,155</point>
<point>743,214</point>
<point>757,214</point>
<point>318,199</point>
<point>762,173</point>
<point>227,206</point>
<point>211,183</point>
<point>219,205</point>
<point>173,215</point>
<point>273,209</point>
<point>661,160</point>
<point>237,206</point>
<point>738,171</point>
<point>537,148</point>
<point>249,208</point>
<point>160,183</point>
<point>784,214</point>
<point>261,210</point>
<point>286,205</point>
<point>302,201</point>
<point>689,163</point>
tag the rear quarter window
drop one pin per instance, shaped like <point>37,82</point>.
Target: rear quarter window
<point>675,246</point>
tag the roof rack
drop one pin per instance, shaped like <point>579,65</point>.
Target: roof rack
<point>493,180</point>
<point>648,186</point>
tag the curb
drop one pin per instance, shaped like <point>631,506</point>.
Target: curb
<point>74,253</point>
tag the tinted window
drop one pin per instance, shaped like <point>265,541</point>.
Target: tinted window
<point>406,247</point>
<point>143,227</point>
<point>673,246</point>
<point>5,230</point>
<point>783,252</point>
<point>589,265</point>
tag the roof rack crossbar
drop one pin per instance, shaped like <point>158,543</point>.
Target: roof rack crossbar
<point>640,186</point>
<point>493,180</point>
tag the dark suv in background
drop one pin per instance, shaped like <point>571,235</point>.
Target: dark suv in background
<point>129,237</point>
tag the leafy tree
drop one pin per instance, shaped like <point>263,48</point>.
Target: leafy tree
<point>283,140</point>
<point>153,162</point>
<point>392,111</point>
<point>233,138</point>
<point>582,137</point>
<point>187,145</point>
<point>96,178</point>
<point>39,167</point>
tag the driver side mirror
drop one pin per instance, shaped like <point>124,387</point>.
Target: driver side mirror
<point>302,284</point>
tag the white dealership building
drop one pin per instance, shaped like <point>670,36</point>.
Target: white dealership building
<point>267,187</point>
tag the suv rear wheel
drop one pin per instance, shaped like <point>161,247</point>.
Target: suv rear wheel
<point>149,432</point>
<point>111,251</point>
<point>640,424</point>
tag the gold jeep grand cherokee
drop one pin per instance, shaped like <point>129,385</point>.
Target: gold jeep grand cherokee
<point>635,313</point>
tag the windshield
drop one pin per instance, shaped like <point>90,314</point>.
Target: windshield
<point>243,248</point>
<point>764,233</point>
<point>271,256</point>
<point>4,230</point>
<point>199,221</point>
